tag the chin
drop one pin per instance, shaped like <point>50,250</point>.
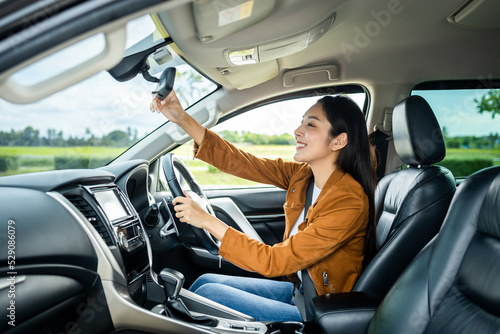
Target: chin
<point>297,158</point>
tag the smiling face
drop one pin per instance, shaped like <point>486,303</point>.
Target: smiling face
<point>315,146</point>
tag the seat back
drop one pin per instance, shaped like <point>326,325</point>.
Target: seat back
<point>453,285</point>
<point>411,203</point>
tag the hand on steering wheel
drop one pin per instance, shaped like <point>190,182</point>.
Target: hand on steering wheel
<point>190,209</point>
<point>171,163</point>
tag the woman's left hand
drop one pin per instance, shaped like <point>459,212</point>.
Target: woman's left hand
<point>188,211</point>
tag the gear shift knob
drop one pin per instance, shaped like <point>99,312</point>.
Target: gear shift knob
<point>172,281</point>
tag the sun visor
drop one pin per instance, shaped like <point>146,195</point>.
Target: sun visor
<point>217,19</point>
<point>478,14</point>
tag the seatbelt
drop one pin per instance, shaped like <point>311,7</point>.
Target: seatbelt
<point>309,290</point>
<point>379,140</point>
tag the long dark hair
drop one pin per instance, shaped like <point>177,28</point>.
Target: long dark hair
<point>357,157</point>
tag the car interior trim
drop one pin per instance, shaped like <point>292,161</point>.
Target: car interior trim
<point>107,266</point>
<point>126,314</point>
<point>230,208</point>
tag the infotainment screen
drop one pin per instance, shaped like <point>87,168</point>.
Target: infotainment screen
<point>111,204</point>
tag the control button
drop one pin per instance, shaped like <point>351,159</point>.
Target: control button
<point>238,327</point>
<point>123,240</point>
<point>139,231</point>
<point>248,328</point>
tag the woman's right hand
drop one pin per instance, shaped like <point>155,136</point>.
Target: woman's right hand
<point>170,107</point>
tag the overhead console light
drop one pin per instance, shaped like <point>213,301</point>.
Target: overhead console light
<point>216,19</point>
<point>244,57</point>
<point>278,48</point>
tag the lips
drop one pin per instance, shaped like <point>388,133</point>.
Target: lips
<point>300,145</point>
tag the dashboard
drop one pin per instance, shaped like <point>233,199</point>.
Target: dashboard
<point>71,230</point>
<point>76,255</point>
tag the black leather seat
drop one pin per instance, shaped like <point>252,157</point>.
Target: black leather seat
<point>410,204</point>
<point>453,284</point>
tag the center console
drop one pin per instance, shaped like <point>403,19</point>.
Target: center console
<point>175,307</point>
<point>116,221</point>
<point>114,218</point>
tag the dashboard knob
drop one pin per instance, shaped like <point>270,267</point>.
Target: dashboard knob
<point>139,232</point>
<point>122,239</point>
<point>151,216</point>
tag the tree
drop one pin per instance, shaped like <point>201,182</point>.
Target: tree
<point>31,137</point>
<point>231,136</point>
<point>445,132</point>
<point>283,139</point>
<point>490,102</point>
<point>192,86</point>
<point>254,138</point>
<point>116,138</point>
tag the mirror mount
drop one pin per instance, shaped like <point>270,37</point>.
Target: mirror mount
<point>146,75</point>
<point>135,63</point>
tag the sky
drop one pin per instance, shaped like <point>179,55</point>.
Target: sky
<point>456,110</point>
<point>99,103</point>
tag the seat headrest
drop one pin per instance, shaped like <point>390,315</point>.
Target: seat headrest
<point>418,139</point>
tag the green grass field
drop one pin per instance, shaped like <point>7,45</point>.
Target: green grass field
<point>472,154</point>
<point>33,159</point>
<point>43,151</point>
<point>42,158</point>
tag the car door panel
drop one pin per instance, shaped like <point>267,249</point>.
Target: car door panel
<point>256,211</point>
<point>262,207</point>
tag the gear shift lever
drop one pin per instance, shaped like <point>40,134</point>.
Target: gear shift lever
<point>172,281</point>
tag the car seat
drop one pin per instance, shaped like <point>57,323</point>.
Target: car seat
<point>452,286</point>
<point>410,204</point>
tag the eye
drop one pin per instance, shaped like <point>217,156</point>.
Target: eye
<point>310,125</point>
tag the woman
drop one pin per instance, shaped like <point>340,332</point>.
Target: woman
<point>333,238</point>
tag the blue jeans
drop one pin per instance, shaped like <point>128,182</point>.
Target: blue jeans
<point>262,299</point>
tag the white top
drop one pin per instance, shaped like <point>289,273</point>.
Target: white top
<point>295,228</point>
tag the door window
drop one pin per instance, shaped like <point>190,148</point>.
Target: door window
<point>469,117</point>
<point>265,131</point>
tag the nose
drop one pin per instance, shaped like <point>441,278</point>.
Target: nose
<point>298,132</point>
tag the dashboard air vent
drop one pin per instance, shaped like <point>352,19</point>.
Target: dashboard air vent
<point>84,207</point>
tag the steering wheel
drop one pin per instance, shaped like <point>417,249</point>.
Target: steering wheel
<point>177,173</point>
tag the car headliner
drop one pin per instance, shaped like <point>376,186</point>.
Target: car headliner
<point>373,42</point>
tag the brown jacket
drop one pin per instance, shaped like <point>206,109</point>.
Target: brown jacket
<point>330,240</point>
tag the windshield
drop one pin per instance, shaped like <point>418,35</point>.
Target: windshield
<point>91,123</point>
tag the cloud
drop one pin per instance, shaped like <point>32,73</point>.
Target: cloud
<point>99,103</point>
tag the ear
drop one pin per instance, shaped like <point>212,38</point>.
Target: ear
<point>339,142</point>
